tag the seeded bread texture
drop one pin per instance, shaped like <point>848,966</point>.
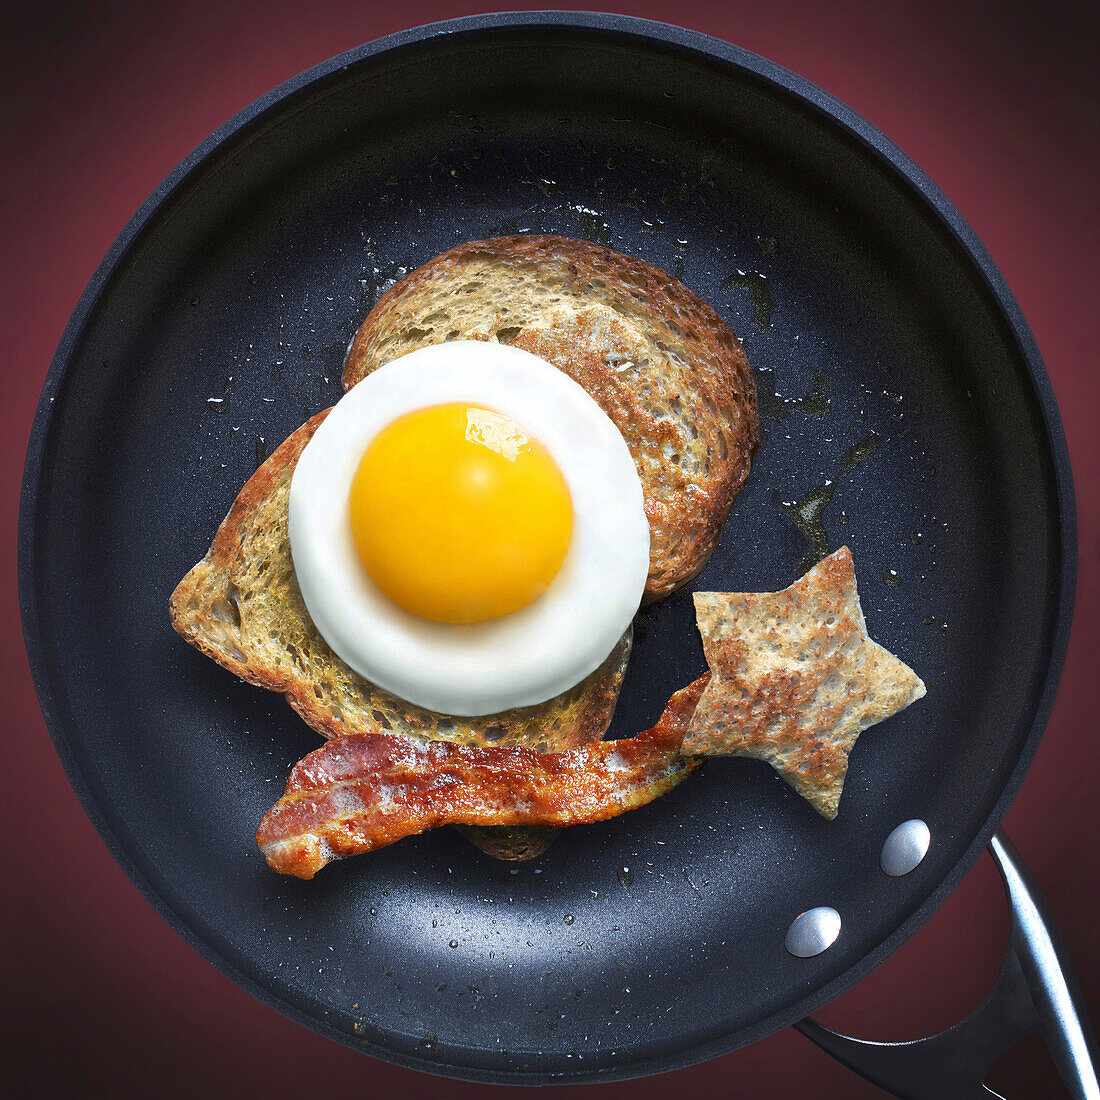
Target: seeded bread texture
<point>658,359</point>
<point>241,605</point>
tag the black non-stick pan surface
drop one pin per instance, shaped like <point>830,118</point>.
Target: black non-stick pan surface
<point>905,411</point>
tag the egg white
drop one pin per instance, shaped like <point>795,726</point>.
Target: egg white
<point>516,660</point>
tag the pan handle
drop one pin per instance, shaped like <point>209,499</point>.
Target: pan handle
<point>1036,990</point>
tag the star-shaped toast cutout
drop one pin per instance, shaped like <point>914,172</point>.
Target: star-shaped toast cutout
<point>795,679</point>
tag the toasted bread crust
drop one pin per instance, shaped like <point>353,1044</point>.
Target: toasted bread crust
<point>242,607</point>
<point>658,359</point>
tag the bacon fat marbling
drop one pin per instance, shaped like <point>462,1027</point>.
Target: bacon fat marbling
<point>364,791</point>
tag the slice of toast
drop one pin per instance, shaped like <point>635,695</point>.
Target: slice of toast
<point>659,360</point>
<point>241,606</point>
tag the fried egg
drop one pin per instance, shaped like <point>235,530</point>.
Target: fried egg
<point>468,529</point>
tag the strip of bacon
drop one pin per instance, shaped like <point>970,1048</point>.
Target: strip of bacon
<point>364,791</point>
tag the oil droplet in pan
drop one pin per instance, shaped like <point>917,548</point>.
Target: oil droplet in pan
<point>760,295</point>
<point>808,513</point>
<point>592,226</point>
<point>815,403</point>
<point>859,453</point>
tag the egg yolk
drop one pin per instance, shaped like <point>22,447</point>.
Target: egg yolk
<point>458,515</point>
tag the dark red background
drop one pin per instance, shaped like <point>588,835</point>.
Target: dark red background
<point>997,101</point>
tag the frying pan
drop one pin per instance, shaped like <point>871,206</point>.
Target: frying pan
<point>906,413</point>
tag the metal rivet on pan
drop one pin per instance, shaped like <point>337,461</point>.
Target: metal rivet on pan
<point>812,932</point>
<point>905,847</point>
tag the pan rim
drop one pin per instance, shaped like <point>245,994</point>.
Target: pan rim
<point>744,65</point>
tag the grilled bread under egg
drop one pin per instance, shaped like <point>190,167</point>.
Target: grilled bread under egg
<point>241,606</point>
<point>658,359</point>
